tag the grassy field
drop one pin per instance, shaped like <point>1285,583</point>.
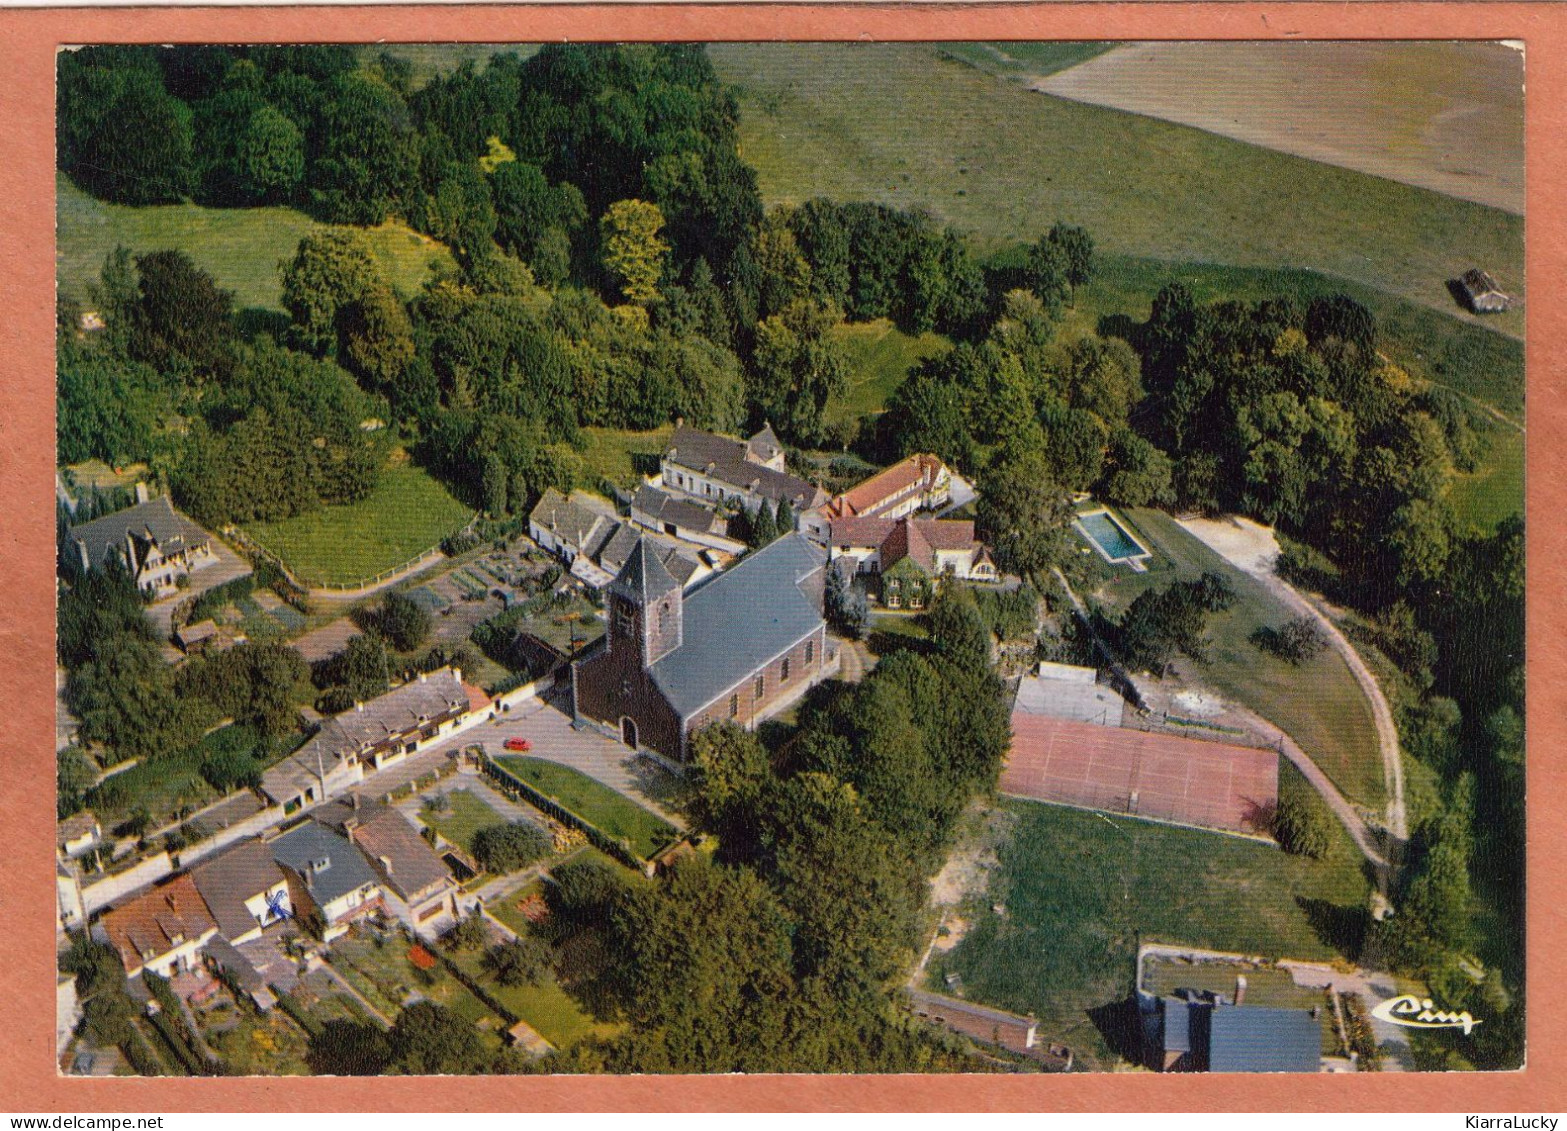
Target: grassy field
<point>1022,60</point>
<point>464,816</point>
<point>1317,702</point>
<point>407,514</point>
<point>1081,892</point>
<point>880,357</point>
<point>1004,163</point>
<point>594,802</point>
<point>1495,491</point>
<point>610,452</point>
<point>241,247</point>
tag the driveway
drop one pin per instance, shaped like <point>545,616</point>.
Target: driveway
<point>1252,548</point>
<point>228,566</point>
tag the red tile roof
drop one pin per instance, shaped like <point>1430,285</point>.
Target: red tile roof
<point>157,921</point>
<point>885,488</point>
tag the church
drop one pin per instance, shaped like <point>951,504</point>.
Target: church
<point>742,646</point>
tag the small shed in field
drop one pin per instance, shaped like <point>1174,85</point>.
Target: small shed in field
<point>1481,293</point>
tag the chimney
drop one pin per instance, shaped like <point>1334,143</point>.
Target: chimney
<point>386,864</point>
<point>141,493</point>
<point>1240,989</point>
<point>353,799</point>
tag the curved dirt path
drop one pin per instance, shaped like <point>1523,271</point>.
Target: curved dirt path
<point>1251,548</point>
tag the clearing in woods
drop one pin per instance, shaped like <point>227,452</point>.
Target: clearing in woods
<point>242,248</point>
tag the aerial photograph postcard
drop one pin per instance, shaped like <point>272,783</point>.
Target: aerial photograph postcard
<point>793,557</point>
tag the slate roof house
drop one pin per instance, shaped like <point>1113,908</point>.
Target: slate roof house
<point>566,526</point>
<point>663,513</point>
<point>328,875</point>
<point>742,646</point>
<point>369,738</point>
<point>717,469</point>
<point>245,890</point>
<point>415,885</point>
<point>584,532</point>
<point>903,560</point>
<point>156,543</point>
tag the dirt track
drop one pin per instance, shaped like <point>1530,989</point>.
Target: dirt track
<point>1442,116</point>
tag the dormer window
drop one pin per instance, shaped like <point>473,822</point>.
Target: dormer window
<point>321,864</point>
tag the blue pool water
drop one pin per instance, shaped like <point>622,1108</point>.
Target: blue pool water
<point>1116,543</point>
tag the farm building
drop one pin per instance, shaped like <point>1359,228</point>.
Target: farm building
<point>1481,293</point>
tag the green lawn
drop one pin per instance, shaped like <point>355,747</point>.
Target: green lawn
<point>409,512</point>
<point>465,815</point>
<point>242,247</point>
<point>1317,702</point>
<point>558,1017</point>
<point>594,802</point>
<point>988,155</point>
<point>610,452</point>
<point>880,357</point>
<point>1081,892</point>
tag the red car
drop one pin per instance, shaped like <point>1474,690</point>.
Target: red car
<point>521,744</point>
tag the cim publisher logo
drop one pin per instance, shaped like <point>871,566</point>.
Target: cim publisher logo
<point>1421,1013</point>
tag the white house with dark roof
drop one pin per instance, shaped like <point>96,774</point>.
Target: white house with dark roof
<point>328,875</point>
<point>156,543</point>
<point>678,517</point>
<point>717,469</point>
<point>740,647</point>
<point>416,885</point>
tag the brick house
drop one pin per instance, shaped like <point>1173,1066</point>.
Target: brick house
<point>742,646</point>
<point>920,482</point>
<point>162,930</point>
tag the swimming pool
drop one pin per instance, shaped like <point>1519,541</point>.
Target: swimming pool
<point>1110,538</point>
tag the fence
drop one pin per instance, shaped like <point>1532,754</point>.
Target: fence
<point>601,840</point>
<point>314,585</point>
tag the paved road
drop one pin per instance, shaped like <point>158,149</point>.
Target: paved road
<point>1251,548</point>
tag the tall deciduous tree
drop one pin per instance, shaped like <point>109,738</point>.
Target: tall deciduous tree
<point>634,251</point>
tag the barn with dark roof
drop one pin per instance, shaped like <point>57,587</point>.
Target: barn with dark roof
<point>741,646</point>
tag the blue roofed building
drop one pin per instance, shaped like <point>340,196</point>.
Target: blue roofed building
<point>741,646</point>
<point>1202,1032</point>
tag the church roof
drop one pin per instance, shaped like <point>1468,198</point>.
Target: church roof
<point>736,623</point>
<point>643,578</point>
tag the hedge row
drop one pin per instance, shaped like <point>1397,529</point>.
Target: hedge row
<point>601,840</point>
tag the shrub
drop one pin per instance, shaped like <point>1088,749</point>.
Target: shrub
<point>1301,823</point>
<point>1295,642</point>
<point>508,848</point>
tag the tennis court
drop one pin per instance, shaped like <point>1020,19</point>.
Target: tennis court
<point>1159,776</point>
